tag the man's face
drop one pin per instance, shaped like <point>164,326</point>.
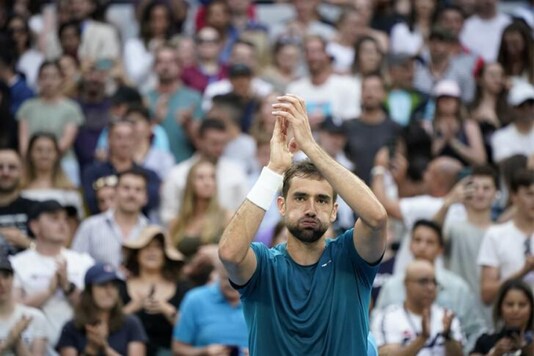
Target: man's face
<point>421,285</point>
<point>6,286</point>
<point>452,20</point>
<point>243,54</point>
<point>213,144</point>
<point>316,56</point>
<point>373,93</point>
<point>121,140</point>
<point>402,75</point>
<point>242,86</point>
<point>524,112</point>
<point>439,49</point>
<point>167,67</point>
<point>309,208</point>
<point>51,227</point>
<point>131,195</point>
<point>424,244</point>
<point>524,200</point>
<point>484,191</point>
<point>10,171</point>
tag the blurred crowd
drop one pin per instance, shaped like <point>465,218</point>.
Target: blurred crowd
<point>132,130</point>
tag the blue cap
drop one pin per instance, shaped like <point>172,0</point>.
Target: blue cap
<point>101,273</point>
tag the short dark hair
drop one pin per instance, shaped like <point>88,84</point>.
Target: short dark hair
<point>486,171</point>
<point>509,285</point>
<point>139,109</point>
<point>432,225</point>
<point>135,171</point>
<point>449,7</point>
<point>70,24</point>
<point>210,124</point>
<point>303,169</point>
<point>50,63</point>
<point>523,178</point>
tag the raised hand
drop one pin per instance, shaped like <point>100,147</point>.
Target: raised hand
<point>448,316</point>
<point>293,109</point>
<point>425,324</point>
<point>281,149</point>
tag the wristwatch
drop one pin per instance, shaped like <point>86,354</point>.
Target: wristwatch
<point>70,289</point>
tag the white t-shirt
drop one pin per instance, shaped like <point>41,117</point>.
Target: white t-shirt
<point>483,37</point>
<point>503,247</point>
<point>33,273</point>
<point>396,325</point>
<point>339,96</point>
<point>405,41</point>
<point>343,57</point>
<point>35,330</point>
<point>507,142</point>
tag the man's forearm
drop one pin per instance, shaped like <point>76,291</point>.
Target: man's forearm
<point>453,347</point>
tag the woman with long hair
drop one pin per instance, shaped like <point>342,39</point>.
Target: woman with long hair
<point>516,53</point>
<point>201,219</point>
<point>455,135</point>
<point>513,316</point>
<point>368,58</point>
<point>99,325</point>
<point>154,287</point>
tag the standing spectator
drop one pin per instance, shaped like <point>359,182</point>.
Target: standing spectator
<point>99,326</point>
<point>54,113</point>
<point>488,21</point>
<point>22,328</point>
<point>170,98</point>
<point>517,137</point>
<point>102,235</point>
<point>516,52</point>
<point>373,122</point>
<point>19,89</point>
<point>230,175</point>
<point>50,277</point>
<point>325,93</point>
<point>154,288</point>
<point>14,209</point>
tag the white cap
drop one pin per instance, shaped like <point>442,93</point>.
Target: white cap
<point>521,91</point>
<point>447,87</point>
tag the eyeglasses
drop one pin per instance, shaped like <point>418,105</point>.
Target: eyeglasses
<point>108,181</point>
<point>425,282</point>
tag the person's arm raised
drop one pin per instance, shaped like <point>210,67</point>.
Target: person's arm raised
<point>370,229</point>
<point>234,246</point>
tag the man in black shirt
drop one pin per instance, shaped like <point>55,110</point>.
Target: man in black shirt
<point>13,208</point>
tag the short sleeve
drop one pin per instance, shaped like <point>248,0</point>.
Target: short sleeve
<point>185,328</point>
<point>69,337</point>
<point>488,254</point>
<point>38,324</point>
<point>261,251</point>
<point>136,332</point>
<point>24,111</point>
<point>367,270</point>
<point>75,113</point>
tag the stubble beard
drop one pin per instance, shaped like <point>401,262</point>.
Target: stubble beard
<point>307,235</point>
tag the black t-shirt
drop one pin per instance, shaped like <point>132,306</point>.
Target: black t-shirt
<point>131,331</point>
<point>486,342</point>
<point>15,214</point>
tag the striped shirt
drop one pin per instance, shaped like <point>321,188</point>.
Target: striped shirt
<point>101,237</point>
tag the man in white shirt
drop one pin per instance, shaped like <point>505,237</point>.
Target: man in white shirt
<point>418,326</point>
<point>231,177</point>
<point>50,277</point>
<point>22,328</point>
<point>325,93</point>
<point>507,251</point>
<point>518,137</point>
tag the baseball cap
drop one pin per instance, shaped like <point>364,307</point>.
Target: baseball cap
<point>239,70</point>
<point>5,264</point>
<point>332,126</point>
<point>101,273</point>
<point>447,87</point>
<point>45,206</point>
<point>521,91</point>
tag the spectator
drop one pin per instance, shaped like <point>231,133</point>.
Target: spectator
<point>99,326</point>
<point>489,21</point>
<point>518,137</point>
<point>264,120</point>
<point>14,209</point>
<point>201,220</point>
<point>211,320</point>
<point>218,16</point>
<point>102,235</point>
<point>507,249</point>
<point>230,176</point>
<point>418,326</point>
<point>373,122</point>
<point>22,328</point>
<point>455,135</point>
<point>54,113</point>
<point>9,132</point>
<point>368,59</point>
<point>70,38</point>
<point>325,93</point>
<point>513,315</point>
<point>285,65</point>
<point>169,101</point>
<point>19,89</point>
<point>105,192</point>
<point>154,288</point>
<point>71,72</point>
<point>44,178</point>
<point>50,277</point>
<point>516,52</point>
<point>120,159</point>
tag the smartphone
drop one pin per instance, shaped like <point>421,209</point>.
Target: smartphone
<point>511,331</point>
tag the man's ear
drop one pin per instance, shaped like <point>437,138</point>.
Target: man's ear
<point>281,203</point>
<point>333,214</point>
<point>34,227</point>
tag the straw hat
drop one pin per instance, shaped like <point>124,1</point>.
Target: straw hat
<point>148,234</point>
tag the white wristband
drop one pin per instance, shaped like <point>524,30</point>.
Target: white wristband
<point>265,188</point>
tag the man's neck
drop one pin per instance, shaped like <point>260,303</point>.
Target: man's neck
<point>7,308</point>
<point>305,254</point>
<point>120,164</point>
<point>523,126</point>
<point>488,15</point>
<point>413,308</point>
<point>8,198</point>
<point>125,218</point>
<point>524,224</point>
<point>439,66</point>
<point>48,249</point>
<point>168,87</point>
<point>479,218</point>
<point>373,116</point>
<point>321,77</point>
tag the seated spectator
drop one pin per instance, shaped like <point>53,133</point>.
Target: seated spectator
<point>120,159</point>
<point>50,277</point>
<point>43,176</point>
<point>211,320</point>
<point>454,293</point>
<point>105,193</point>
<point>516,52</point>
<point>513,315</point>
<point>200,220</point>
<point>54,113</point>
<point>417,325</point>
<point>154,288</point>
<point>231,178</point>
<point>71,72</point>
<point>455,135</point>
<point>507,251</point>
<point>22,328</point>
<point>14,209</point>
<point>99,326</point>
<point>264,120</point>
<point>102,235</point>
<point>368,58</point>
<point>517,137</point>
<point>284,68</point>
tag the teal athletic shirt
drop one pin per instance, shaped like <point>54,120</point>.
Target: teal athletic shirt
<point>314,310</point>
